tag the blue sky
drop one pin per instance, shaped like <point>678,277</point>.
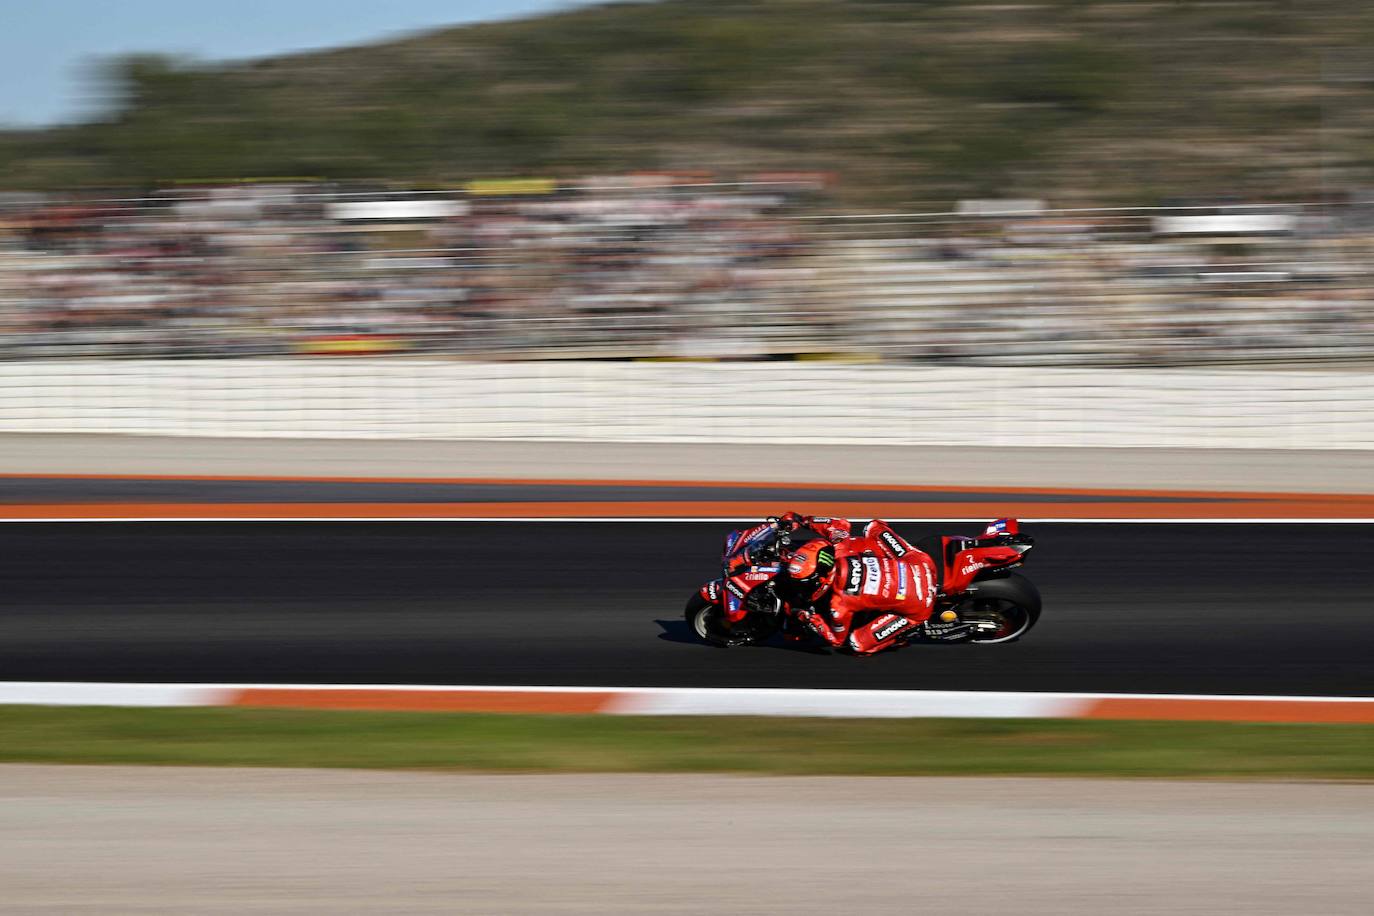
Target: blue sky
<point>47,46</point>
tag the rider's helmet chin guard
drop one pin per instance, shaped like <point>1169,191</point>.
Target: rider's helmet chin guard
<point>808,569</point>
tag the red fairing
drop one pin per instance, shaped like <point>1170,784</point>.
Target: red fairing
<point>734,592</point>
<point>969,563</point>
<point>745,568</point>
<point>713,591</point>
<point>737,552</point>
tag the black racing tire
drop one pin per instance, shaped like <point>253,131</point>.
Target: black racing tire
<point>1014,599</point>
<point>705,619</point>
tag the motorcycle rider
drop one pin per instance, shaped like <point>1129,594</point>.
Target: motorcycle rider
<point>839,574</point>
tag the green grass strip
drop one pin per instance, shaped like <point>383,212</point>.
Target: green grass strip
<point>435,741</point>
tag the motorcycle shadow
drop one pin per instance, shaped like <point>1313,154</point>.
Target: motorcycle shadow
<point>681,631</point>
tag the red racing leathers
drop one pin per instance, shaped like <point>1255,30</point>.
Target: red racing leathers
<point>875,571</point>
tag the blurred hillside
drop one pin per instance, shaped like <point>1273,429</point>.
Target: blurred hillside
<point>908,103</point>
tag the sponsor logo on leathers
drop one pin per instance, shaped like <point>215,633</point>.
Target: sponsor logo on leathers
<point>893,543</point>
<point>873,575</point>
<point>895,626</point>
<point>856,577</point>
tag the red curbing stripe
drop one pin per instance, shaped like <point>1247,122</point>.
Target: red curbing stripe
<point>1221,709</point>
<point>689,701</point>
<point>554,701</point>
<point>551,702</point>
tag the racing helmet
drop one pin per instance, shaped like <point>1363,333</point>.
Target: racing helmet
<point>808,569</point>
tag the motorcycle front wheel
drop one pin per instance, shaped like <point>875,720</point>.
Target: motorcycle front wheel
<point>707,621</point>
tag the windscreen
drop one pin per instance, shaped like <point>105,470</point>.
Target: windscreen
<point>752,541</point>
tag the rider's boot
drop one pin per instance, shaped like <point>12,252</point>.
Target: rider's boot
<point>885,632</point>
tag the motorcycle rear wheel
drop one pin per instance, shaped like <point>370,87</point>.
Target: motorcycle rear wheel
<point>1013,603</point>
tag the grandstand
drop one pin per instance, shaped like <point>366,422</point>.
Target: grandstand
<point>675,267</point>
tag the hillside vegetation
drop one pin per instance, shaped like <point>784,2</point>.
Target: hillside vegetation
<point>907,102</point>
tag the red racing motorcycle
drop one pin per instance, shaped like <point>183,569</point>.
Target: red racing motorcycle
<point>992,604</point>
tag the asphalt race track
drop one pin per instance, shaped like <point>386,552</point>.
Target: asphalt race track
<point>1132,608</point>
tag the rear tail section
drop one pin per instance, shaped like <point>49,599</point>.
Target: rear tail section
<point>1001,526</point>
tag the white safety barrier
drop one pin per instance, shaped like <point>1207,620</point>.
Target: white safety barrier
<point>702,701</point>
<point>692,402</point>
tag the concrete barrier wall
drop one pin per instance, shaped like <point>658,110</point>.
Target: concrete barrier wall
<point>682,402</point>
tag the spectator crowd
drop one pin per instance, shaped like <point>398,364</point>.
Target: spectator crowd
<point>672,266</point>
